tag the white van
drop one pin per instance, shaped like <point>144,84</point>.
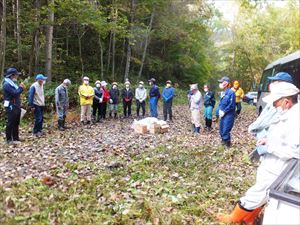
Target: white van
<point>289,64</point>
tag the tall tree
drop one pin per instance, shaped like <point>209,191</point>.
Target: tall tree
<point>3,36</point>
<point>49,40</point>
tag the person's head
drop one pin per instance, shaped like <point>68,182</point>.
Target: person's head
<point>278,78</point>
<point>104,84</point>
<point>152,81</point>
<point>194,88</point>
<point>283,96</point>
<point>66,83</point>
<point>236,84</point>
<point>114,85</point>
<point>98,84</point>
<point>168,83</point>
<point>85,80</point>
<point>224,82</point>
<point>141,84</point>
<point>127,84</point>
<point>12,73</point>
<point>41,79</point>
<point>205,87</point>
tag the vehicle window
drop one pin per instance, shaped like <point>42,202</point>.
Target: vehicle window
<point>264,82</point>
<point>293,68</point>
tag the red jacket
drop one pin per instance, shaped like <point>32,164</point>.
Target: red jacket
<point>106,95</point>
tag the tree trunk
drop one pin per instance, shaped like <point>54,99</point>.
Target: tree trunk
<point>80,54</point>
<point>49,42</point>
<point>146,43</point>
<point>113,55</point>
<point>18,31</point>
<point>101,58</point>
<point>35,47</point>
<point>108,53</point>
<point>128,56</point>
<point>3,36</point>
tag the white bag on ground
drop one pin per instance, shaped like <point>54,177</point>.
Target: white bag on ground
<point>23,111</point>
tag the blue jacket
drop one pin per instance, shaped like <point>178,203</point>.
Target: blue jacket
<point>168,94</point>
<point>114,95</point>
<point>98,95</point>
<point>154,92</point>
<point>12,94</point>
<point>227,102</point>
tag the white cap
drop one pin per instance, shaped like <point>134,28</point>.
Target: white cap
<point>98,82</point>
<point>280,90</point>
<point>103,83</point>
<point>67,82</point>
<point>141,82</point>
<point>85,78</point>
<point>194,86</point>
<point>127,82</point>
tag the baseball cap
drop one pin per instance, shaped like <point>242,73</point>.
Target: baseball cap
<point>224,79</point>
<point>282,76</point>
<point>127,82</point>
<point>141,82</point>
<point>85,78</point>
<point>281,90</point>
<point>168,82</point>
<point>67,82</point>
<point>98,82</point>
<point>40,77</point>
<point>152,80</point>
<point>11,71</point>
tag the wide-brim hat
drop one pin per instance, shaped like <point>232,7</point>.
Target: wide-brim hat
<point>127,82</point>
<point>98,82</point>
<point>168,82</point>
<point>280,90</point>
<point>11,71</point>
<point>115,83</point>
<point>194,86</point>
<point>152,80</point>
<point>141,82</point>
<point>103,83</point>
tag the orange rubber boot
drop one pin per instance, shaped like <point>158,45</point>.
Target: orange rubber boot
<point>250,220</point>
<point>237,215</point>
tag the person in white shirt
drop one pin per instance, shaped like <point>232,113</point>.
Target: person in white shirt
<point>195,107</point>
<point>140,96</point>
<point>280,145</point>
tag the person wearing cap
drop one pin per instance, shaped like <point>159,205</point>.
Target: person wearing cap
<point>105,99</point>
<point>209,104</point>
<point>195,107</point>
<point>226,110</point>
<point>239,94</point>
<point>127,96</point>
<point>86,95</point>
<point>260,126</point>
<point>12,104</point>
<point>154,95</point>
<point>62,103</point>
<point>36,101</point>
<point>96,101</point>
<point>140,96</point>
<point>279,146</point>
<point>167,96</point>
<point>114,100</point>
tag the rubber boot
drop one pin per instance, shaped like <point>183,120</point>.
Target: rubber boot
<point>193,128</point>
<point>60,125</point>
<point>227,144</point>
<point>110,115</point>
<point>209,123</point>
<point>238,215</point>
<point>115,115</point>
<point>206,123</point>
<point>64,124</point>
<point>197,130</point>
<point>250,220</point>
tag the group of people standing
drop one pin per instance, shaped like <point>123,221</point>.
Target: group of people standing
<point>228,109</point>
<point>94,101</point>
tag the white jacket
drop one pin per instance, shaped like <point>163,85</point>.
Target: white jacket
<point>196,101</point>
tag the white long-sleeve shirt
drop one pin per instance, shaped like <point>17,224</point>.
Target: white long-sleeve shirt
<point>196,101</point>
<point>140,94</point>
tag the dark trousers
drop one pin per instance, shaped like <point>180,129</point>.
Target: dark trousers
<point>13,121</point>
<point>238,108</point>
<point>139,105</point>
<point>167,109</point>
<point>38,118</point>
<point>96,110</point>
<point>127,108</point>
<point>103,107</point>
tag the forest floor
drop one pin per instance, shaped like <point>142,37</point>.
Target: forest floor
<point>107,174</point>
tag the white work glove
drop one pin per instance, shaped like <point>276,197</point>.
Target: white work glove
<point>100,100</point>
<point>110,101</point>
<point>221,113</point>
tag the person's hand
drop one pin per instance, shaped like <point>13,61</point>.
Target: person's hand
<point>140,101</point>
<point>221,113</point>
<point>32,109</point>
<point>110,101</point>
<point>22,85</point>
<point>100,100</point>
